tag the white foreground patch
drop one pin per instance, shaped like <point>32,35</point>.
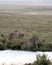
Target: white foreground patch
<point>9,57</point>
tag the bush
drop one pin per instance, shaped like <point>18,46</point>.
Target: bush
<point>49,46</point>
<point>8,44</point>
<point>39,44</point>
<point>2,46</point>
<point>14,44</point>
<point>46,47</point>
<point>42,60</point>
<point>32,48</point>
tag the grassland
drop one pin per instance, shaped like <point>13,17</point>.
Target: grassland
<point>40,25</point>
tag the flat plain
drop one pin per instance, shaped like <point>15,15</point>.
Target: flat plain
<point>29,24</point>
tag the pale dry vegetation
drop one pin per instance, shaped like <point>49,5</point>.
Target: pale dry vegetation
<point>30,25</point>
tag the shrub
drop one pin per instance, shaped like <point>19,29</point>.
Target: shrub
<point>8,44</point>
<point>31,48</point>
<point>49,46</point>
<point>42,60</point>
<point>46,47</point>
<point>14,44</point>
<point>2,46</point>
<point>39,44</point>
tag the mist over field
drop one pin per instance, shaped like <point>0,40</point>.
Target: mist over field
<point>26,6</point>
<point>27,2</point>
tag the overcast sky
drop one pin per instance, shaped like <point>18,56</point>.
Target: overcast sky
<point>27,2</point>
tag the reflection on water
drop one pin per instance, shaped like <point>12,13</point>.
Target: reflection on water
<point>9,57</point>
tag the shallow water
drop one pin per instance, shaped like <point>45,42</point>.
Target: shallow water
<point>9,57</point>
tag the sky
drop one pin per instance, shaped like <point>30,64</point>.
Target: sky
<point>27,2</point>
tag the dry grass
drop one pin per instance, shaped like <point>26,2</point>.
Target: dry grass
<point>40,25</point>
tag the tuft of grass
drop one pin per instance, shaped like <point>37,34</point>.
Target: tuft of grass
<point>42,60</point>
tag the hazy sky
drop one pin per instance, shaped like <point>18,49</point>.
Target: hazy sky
<point>27,2</point>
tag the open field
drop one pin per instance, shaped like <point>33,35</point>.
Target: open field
<point>45,10</point>
<point>40,25</point>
